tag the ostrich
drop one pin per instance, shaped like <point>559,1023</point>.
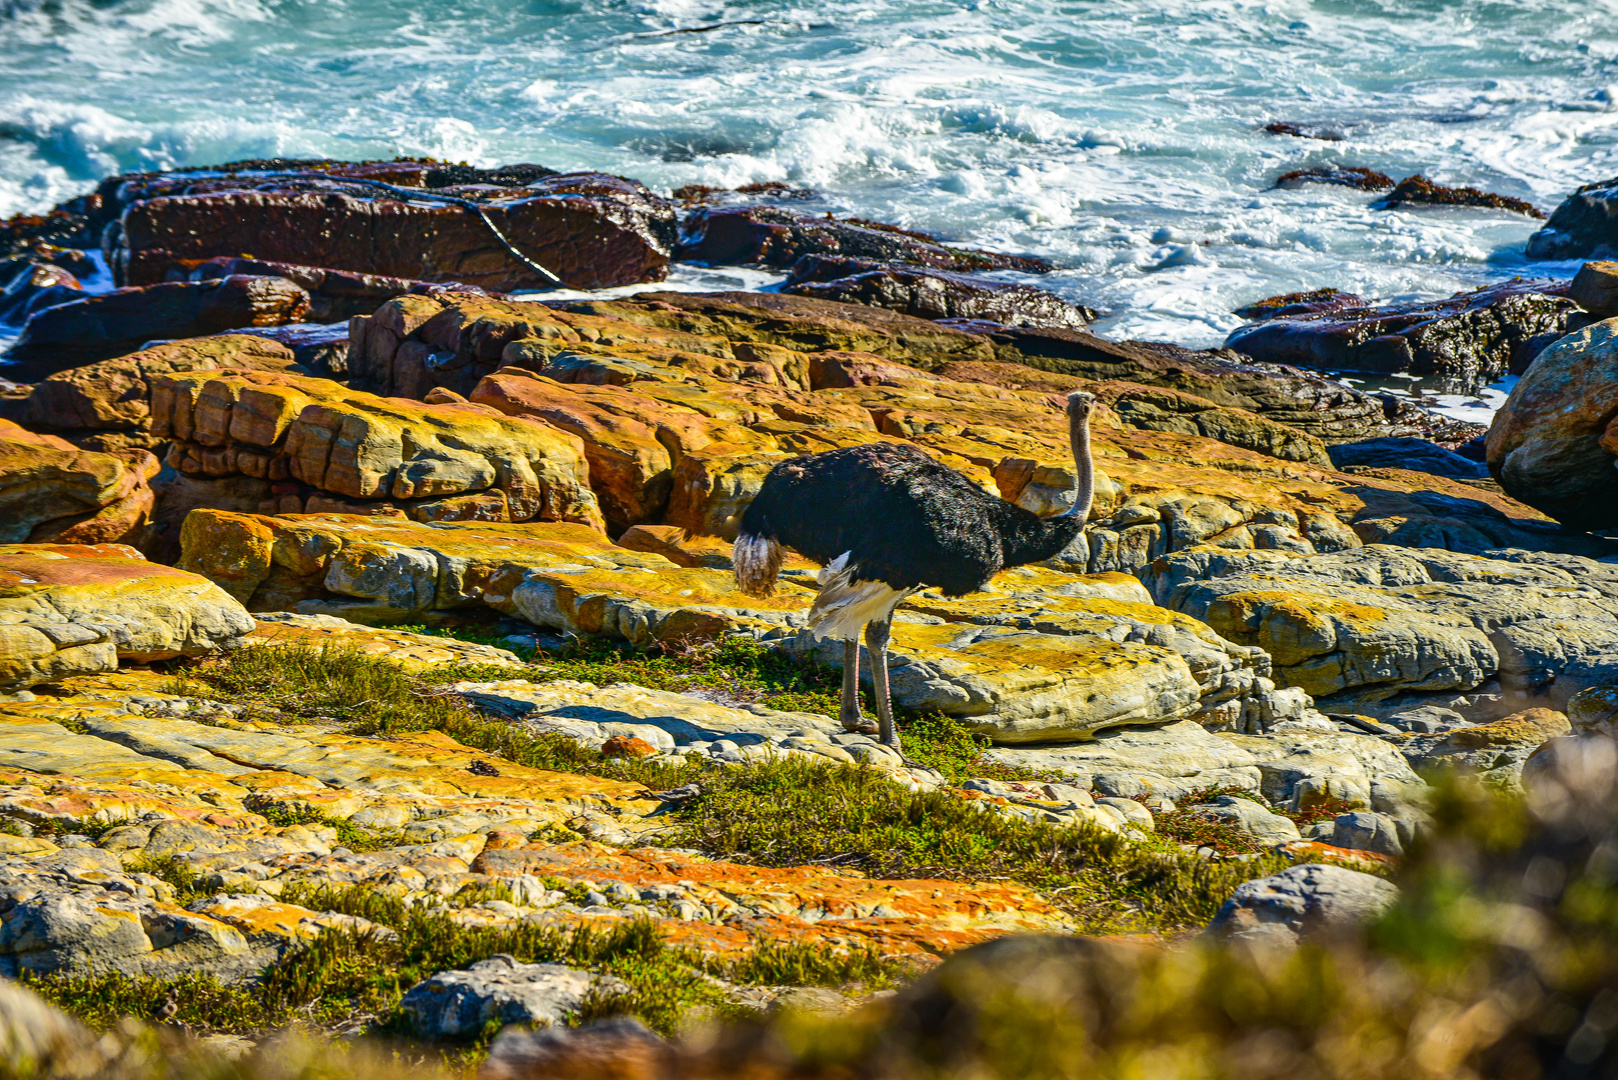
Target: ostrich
<point>884,520</point>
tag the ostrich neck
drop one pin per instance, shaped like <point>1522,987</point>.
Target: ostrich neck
<point>1084,488</point>
<point>1038,540</point>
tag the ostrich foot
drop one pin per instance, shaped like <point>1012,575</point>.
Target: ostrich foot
<point>859,725</point>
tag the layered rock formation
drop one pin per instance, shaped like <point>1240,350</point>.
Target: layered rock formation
<point>1466,341</point>
<point>1554,443</point>
<point>50,490</point>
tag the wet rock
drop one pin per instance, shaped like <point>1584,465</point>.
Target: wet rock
<point>1299,303</point>
<point>1249,817</point>
<point>52,491</point>
<point>773,236</point>
<point>1418,455</point>
<point>459,1004</point>
<point>1303,903</point>
<point>69,608</point>
<point>1419,191</point>
<point>29,284</point>
<point>1554,442</point>
<point>336,449</point>
<point>334,295</point>
<point>768,190</point>
<point>1324,132</point>
<point>590,229</point>
<point>1339,175</point>
<point>70,225</point>
<point>928,293</point>
<point>1467,340</point>
<point>1379,619</point>
<point>111,324</point>
<point>1583,227</point>
<point>111,399</point>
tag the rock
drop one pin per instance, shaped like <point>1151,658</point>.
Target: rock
<point>592,230</point>
<point>1172,761</point>
<point>1325,133</point>
<point>1494,751</point>
<point>28,284</point>
<point>317,445</point>
<point>111,324</point>
<point>334,295</point>
<point>621,1049</point>
<point>1419,191</point>
<point>1303,903</point>
<point>1249,817</point>
<point>66,609</point>
<point>412,651</point>
<point>51,491</point>
<point>1581,228</point>
<point>460,1004</point>
<point>1554,443</point>
<point>1379,619</point>
<point>773,236</point>
<point>1340,175</point>
<point>1418,455</point>
<point>929,294</point>
<point>38,1039</point>
<point>1595,289</point>
<point>1594,710</point>
<point>1298,303</point>
<point>1362,830</point>
<point>112,398</point>
<point>1470,339</point>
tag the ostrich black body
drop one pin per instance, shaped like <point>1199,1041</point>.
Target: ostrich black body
<point>906,520</point>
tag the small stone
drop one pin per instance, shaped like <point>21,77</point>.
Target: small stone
<point>627,746</point>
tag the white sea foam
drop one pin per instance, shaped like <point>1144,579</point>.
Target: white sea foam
<point>1121,140</point>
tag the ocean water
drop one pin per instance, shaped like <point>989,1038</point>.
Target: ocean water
<point>1122,139</point>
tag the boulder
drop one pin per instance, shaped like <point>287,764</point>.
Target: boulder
<point>110,401</point>
<point>1249,817</point>
<point>1493,751</point>
<point>592,230</point>
<point>71,608</point>
<point>1419,191</point>
<point>52,491</point>
<point>111,324</point>
<point>619,1049</point>
<point>929,294</point>
<point>1554,443</point>
<point>1378,619</point>
<point>774,236</point>
<point>1304,903</point>
<point>1380,834</point>
<point>1583,227</point>
<point>1470,339</point>
<point>29,284</point>
<point>1595,289</point>
<point>311,441</point>
<point>1594,710</point>
<point>500,990</point>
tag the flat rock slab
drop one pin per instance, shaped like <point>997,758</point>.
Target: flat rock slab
<point>1172,761</point>
<point>1381,619</point>
<point>68,609</point>
<point>411,651</point>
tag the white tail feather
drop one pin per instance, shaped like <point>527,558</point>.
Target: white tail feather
<point>757,563</point>
<point>843,606</point>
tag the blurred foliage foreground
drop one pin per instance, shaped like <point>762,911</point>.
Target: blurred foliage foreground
<point>1500,961</point>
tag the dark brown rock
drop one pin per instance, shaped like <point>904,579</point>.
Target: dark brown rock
<point>590,229</point>
<point>1419,191</point>
<point>771,236</point>
<point>334,295</point>
<point>1298,303</point>
<point>930,294</point>
<point>772,190</point>
<point>112,324</point>
<point>1595,289</point>
<point>1467,340</point>
<point>1585,226</point>
<point>1304,131</point>
<point>70,225</point>
<point>1341,175</point>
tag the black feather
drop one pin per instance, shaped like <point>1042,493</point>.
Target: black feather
<point>907,520</point>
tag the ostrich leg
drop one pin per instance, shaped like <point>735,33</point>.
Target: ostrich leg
<point>876,639</point>
<point>849,712</point>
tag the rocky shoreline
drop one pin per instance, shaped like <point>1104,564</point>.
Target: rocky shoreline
<point>349,601</point>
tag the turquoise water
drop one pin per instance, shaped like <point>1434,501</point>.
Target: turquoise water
<point>1120,139</point>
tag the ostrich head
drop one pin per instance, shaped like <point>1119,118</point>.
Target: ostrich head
<point>1080,404</point>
